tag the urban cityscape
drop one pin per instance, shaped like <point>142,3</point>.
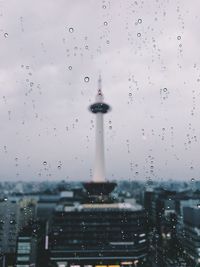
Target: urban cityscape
<point>139,224</point>
<point>100,222</point>
<point>99,133</point>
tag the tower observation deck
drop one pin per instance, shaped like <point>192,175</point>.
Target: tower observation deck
<point>99,185</point>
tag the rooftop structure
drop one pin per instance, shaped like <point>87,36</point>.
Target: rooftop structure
<point>98,234</point>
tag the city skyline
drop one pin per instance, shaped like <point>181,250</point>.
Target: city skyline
<point>50,62</point>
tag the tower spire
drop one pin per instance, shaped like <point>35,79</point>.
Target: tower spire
<point>100,83</point>
<point>99,97</point>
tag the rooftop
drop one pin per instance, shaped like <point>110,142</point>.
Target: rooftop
<point>128,206</point>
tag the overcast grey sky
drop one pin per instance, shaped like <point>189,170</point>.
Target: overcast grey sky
<point>148,55</point>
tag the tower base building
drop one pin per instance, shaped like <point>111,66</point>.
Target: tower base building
<point>98,234</point>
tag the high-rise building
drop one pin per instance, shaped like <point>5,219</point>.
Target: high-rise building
<point>26,248</point>
<point>15,213</point>
<point>191,229</point>
<point>98,234</point>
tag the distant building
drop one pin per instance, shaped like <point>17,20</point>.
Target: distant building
<point>26,248</point>
<point>15,214</point>
<point>9,224</point>
<point>46,205</point>
<point>160,206</point>
<point>191,240</point>
<point>180,205</point>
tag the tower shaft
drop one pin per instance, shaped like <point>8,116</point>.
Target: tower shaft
<point>99,108</point>
<point>99,168</point>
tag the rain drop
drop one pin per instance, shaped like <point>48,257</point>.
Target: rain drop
<point>86,79</point>
<point>71,30</point>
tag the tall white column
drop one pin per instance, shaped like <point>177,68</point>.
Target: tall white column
<point>99,169</point>
<point>99,108</point>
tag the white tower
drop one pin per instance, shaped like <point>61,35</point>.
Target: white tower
<point>99,108</point>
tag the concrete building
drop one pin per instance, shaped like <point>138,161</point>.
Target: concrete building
<point>191,240</point>
<point>98,234</point>
<point>15,214</point>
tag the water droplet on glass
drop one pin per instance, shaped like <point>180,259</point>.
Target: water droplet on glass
<point>44,163</point>
<point>138,34</point>
<point>139,21</point>
<point>86,79</point>
<point>59,167</point>
<point>192,180</point>
<point>71,30</point>
<point>198,206</point>
<point>70,67</point>
<point>179,37</point>
<point>110,127</point>
<point>130,94</point>
<point>105,23</point>
<point>104,7</point>
<point>5,34</point>
<point>165,89</point>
